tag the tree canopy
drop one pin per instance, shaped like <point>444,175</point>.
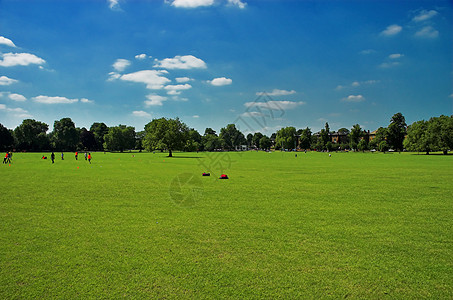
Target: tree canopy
<point>163,133</point>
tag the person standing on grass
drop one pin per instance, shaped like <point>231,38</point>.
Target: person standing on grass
<point>89,158</point>
<point>86,156</point>
<point>62,156</point>
<point>52,157</point>
<point>5,158</point>
<point>76,155</point>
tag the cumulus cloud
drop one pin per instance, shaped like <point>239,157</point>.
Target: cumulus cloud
<point>54,100</point>
<point>141,113</point>
<point>221,81</point>
<point>140,56</point>
<point>427,32</point>
<point>85,100</point>
<point>395,56</point>
<point>20,59</point>
<point>182,79</point>
<point>17,97</point>
<point>275,105</point>
<point>152,78</point>
<point>354,98</point>
<point>277,92</point>
<point>424,15</point>
<point>195,116</point>
<point>392,30</point>
<point>7,81</point>
<point>192,3</point>
<point>155,100</point>
<point>7,42</point>
<point>121,64</point>
<point>253,114</point>
<point>176,89</point>
<point>237,3</point>
<point>181,62</point>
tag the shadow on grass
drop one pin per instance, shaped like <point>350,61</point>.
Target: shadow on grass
<point>185,156</point>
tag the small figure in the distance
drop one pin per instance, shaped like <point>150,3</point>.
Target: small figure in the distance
<point>89,158</point>
<point>76,155</point>
<point>52,157</point>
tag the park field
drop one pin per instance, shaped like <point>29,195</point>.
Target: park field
<point>142,225</point>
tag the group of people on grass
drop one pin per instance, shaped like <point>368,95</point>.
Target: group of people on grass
<point>52,156</point>
<point>8,157</point>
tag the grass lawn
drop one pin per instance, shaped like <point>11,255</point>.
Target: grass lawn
<point>138,225</point>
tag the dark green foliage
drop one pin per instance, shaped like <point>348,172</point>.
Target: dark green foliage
<point>286,138</point>
<point>305,138</point>
<point>99,130</point>
<point>6,138</point>
<point>120,138</point>
<point>163,133</point>
<point>396,132</point>
<point>265,143</point>
<point>65,136</point>
<point>31,136</point>
<point>256,139</point>
<point>232,137</point>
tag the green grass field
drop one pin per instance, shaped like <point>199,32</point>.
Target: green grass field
<point>356,225</point>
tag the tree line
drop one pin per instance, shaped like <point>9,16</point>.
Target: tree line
<point>435,134</point>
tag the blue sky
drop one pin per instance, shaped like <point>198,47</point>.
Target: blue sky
<point>208,62</point>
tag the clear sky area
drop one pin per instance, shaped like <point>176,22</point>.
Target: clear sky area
<point>209,62</point>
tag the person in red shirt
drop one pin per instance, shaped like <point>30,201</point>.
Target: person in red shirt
<point>6,157</point>
<point>89,158</point>
<point>76,155</point>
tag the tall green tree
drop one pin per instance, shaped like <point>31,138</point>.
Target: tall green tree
<point>87,139</point>
<point>31,135</point>
<point>396,131</point>
<point>256,139</point>
<point>170,134</point>
<point>6,138</point>
<point>355,135</point>
<point>65,136</point>
<point>286,138</point>
<point>418,139</point>
<point>305,138</point>
<point>120,138</point>
<point>232,137</point>
<point>265,143</point>
<point>194,141</point>
<point>249,139</point>
<point>99,130</point>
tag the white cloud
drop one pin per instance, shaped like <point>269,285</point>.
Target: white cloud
<point>427,32</point>
<point>17,97</point>
<point>356,84</point>
<point>178,87</point>
<point>182,79</point>
<point>192,3</point>
<point>7,81</point>
<point>181,62</point>
<point>237,3</point>
<point>277,92</point>
<point>140,56</point>
<point>141,113</point>
<point>392,30</point>
<point>16,112</point>
<point>114,4</point>
<point>7,42</point>
<point>85,100</point>
<point>424,15</point>
<point>275,105</point>
<point>54,100</point>
<point>395,56</point>
<point>253,114</point>
<point>113,76</point>
<point>121,64</point>
<point>155,100</point>
<point>387,65</point>
<point>354,98</point>
<point>195,116</point>
<point>20,59</point>
<point>367,51</point>
<point>221,81</point>
<point>152,78</point>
